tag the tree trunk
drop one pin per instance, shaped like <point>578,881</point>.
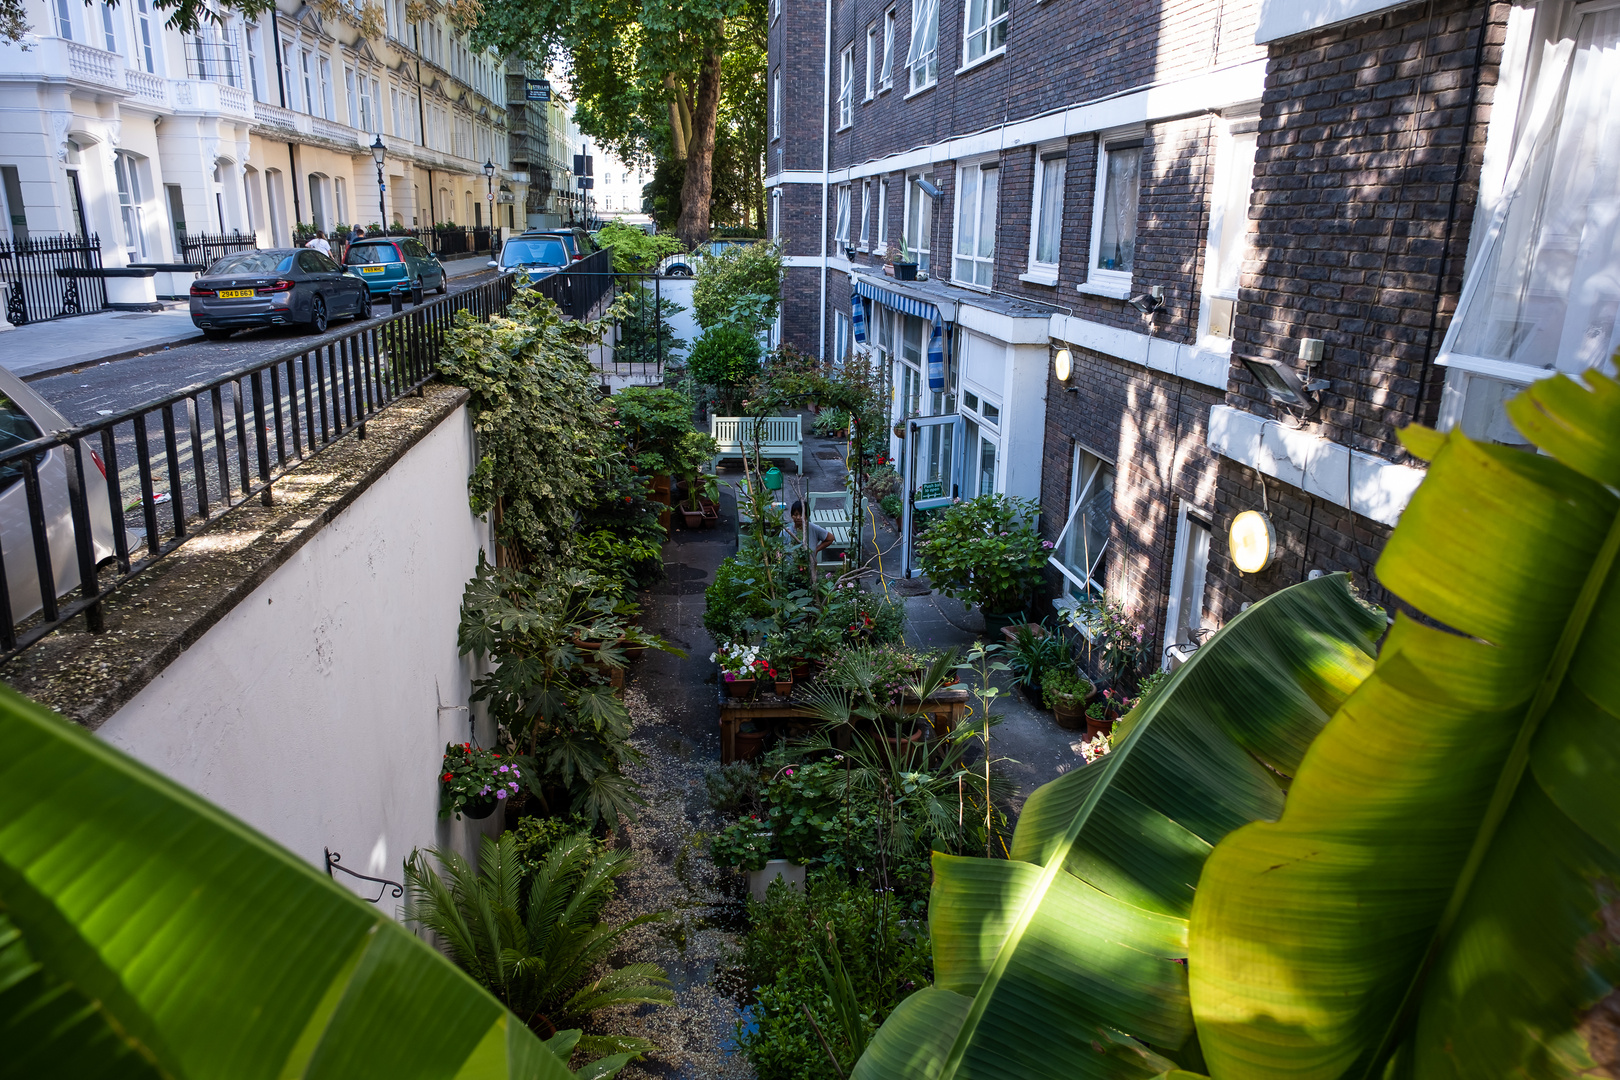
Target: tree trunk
<point>693,226</point>
<point>677,119</point>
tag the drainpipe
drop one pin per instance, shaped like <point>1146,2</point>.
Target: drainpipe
<point>826,176</point>
<point>281,89</point>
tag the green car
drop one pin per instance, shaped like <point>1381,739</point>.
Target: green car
<point>395,260</point>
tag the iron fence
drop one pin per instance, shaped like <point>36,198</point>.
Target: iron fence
<point>50,277</point>
<point>194,454</point>
<point>201,249</point>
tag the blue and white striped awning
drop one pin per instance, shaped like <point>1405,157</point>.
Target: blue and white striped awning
<point>910,305</point>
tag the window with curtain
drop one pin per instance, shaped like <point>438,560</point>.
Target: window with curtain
<point>976,189</point>
<point>986,29</point>
<point>1082,546</point>
<point>1542,291</point>
<point>846,87</point>
<point>919,228</point>
<point>1118,185</point>
<point>923,57</point>
<point>1230,231</point>
<point>1046,227</point>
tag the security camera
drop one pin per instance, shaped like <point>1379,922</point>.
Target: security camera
<point>1149,302</point>
<point>928,189</point>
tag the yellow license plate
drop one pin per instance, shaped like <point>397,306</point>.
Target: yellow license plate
<point>371,269</point>
<point>236,294</point>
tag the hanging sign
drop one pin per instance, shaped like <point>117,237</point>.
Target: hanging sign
<point>538,89</point>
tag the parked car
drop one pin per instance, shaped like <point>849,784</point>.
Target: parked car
<point>538,255</point>
<point>396,260</point>
<point>578,241</point>
<point>685,263</point>
<point>25,416</point>
<point>275,287</point>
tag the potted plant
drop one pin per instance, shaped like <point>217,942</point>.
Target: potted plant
<point>1098,722</point>
<point>1064,691</point>
<point>474,781</point>
<point>740,664</point>
<point>905,268</point>
<point>984,551</point>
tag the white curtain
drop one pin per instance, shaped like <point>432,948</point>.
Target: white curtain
<point>1545,290</point>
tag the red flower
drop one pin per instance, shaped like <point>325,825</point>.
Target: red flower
<point>627,498</point>
<point>497,757</point>
<point>448,776</point>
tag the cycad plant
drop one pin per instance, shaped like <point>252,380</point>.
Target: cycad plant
<point>539,945</point>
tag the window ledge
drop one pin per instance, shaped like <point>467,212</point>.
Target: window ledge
<point>1114,290</point>
<point>981,61</point>
<point>921,90</point>
<point>960,284</point>
<point>844,127</point>
<point>1040,277</point>
<point>885,88</point>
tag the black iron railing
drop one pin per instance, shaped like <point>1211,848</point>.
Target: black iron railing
<point>580,288</point>
<point>196,453</point>
<point>36,291</point>
<point>201,249</point>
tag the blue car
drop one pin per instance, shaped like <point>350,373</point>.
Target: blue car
<point>395,260</point>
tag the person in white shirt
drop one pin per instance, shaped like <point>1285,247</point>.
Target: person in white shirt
<point>318,242</point>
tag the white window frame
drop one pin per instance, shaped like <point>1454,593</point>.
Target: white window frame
<point>324,72</point>
<point>1082,481</point>
<point>776,213</point>
<point>846,87</point>
<point>841,222</point>
<point>1107,281</point>
<point>1234,167</point>
<point>141,12</point>
<point>1039,272</point>
<point>886,69</point>
<point>922,57</point>
<point>63,17</point>
<point>920,204</point>
<point>974,176</point>
<point>109,31</point>
<point>871,60</point>
<point>883,216</point>
<point>985,35</point>
<point>1192,557</point>
<point>776,103</point>
<point>1536,55</point>
<point>866,215</point>
<point>843,336</point>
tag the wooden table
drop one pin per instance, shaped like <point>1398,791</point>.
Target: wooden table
<point>944,708</point>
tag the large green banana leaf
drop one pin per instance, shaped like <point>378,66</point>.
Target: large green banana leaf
<point>1066,961</point>
<point>1430,901</point>
<point>144,933</point>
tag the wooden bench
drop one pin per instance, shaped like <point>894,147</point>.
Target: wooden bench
<point>779,437</point>
<point>944,709</point>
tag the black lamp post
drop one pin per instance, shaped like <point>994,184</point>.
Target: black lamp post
<point>489,183</point>
<point>378,151</point>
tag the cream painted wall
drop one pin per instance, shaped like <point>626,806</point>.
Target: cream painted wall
<point>317,711</point>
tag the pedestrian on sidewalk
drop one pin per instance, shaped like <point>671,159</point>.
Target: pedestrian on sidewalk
<point>320,244</point>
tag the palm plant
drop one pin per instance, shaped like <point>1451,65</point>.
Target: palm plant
<point>538,950</point>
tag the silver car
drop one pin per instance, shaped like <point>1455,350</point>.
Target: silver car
<point>25,416</point>
<point>538,256</point>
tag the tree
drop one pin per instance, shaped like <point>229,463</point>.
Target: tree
<point>646,78</point>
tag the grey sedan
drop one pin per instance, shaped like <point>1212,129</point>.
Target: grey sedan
<point>275,287</point>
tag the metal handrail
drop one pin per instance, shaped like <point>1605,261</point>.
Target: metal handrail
<point>301,401</point>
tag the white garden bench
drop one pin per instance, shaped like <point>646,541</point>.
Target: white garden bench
<point>779,437</point>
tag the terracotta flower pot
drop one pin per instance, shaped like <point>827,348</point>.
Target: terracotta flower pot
<point>750,744</point>
<point>801,669</point>
<point>693,518</point>
<point>1070,717</point>
<point>784,689</point>
<point>1098,727</point>
<point>740,688</point>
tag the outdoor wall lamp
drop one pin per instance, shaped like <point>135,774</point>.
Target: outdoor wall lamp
<point>1253,541</point>
<point>928,189</point>
<point>1149,302</point>
<point>1063,368</point>
<point>1284,386</point>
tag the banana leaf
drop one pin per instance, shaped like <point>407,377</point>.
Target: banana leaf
<point>1067,961</point>
<point>1431,902</point>
<point>146,933</point>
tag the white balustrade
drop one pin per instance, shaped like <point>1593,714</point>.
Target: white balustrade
<point>145,87</point>
<point>93,65</point>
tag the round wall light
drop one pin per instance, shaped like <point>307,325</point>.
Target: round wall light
<point>1253,541</point>
<point>1062,365</point>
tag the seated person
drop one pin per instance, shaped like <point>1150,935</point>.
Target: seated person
<point>820,539</point>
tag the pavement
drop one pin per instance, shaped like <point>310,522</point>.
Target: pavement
<point>42,349</point>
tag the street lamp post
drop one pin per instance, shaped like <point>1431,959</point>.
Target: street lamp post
<point>489,184</point>
<point>378,151</point>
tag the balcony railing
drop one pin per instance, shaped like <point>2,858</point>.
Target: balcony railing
<point>147,88</point>
<point>93,65</point>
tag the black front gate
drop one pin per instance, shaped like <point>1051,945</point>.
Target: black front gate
<point>201,249</point>
<point>36,291</point>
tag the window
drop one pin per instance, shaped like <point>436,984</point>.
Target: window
<point>1046,228</point>
<point>109,38</point>
<point>886,69</point>
<point>341,189</point>
<point>307,61</point>
<point>871,61</point>
<point>883,216</point>
<point>923,58</point>
<point>1540,294</point>
<point>776,104</point>
<point>986,29</point>
<point>1229,228</point>
<point>327,108</point>
<point>1113,232</point>
<point>979,473</point>
<point>143,27</point>
<point>64,19</point>
<point>976,190</point>
<point>1082,546</point>
<point>866,215</point>
<point>846,88</point>
<point>843,338</point>
<point>131,204</point>
<point>368,108</point>
<point>841,232</point>
<point>919,223</point>
<point>1184,619</point>
<point>776,213</point>
<point>351,96</point>
<point>255,51</point>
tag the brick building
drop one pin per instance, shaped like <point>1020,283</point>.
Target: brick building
<point>1164,201</point>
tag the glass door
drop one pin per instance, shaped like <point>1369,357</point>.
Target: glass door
<point>932,472</point>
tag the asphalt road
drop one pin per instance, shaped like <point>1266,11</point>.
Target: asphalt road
<point>100,390</point>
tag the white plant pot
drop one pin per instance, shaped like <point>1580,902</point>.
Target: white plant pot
<point>760,880</point>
